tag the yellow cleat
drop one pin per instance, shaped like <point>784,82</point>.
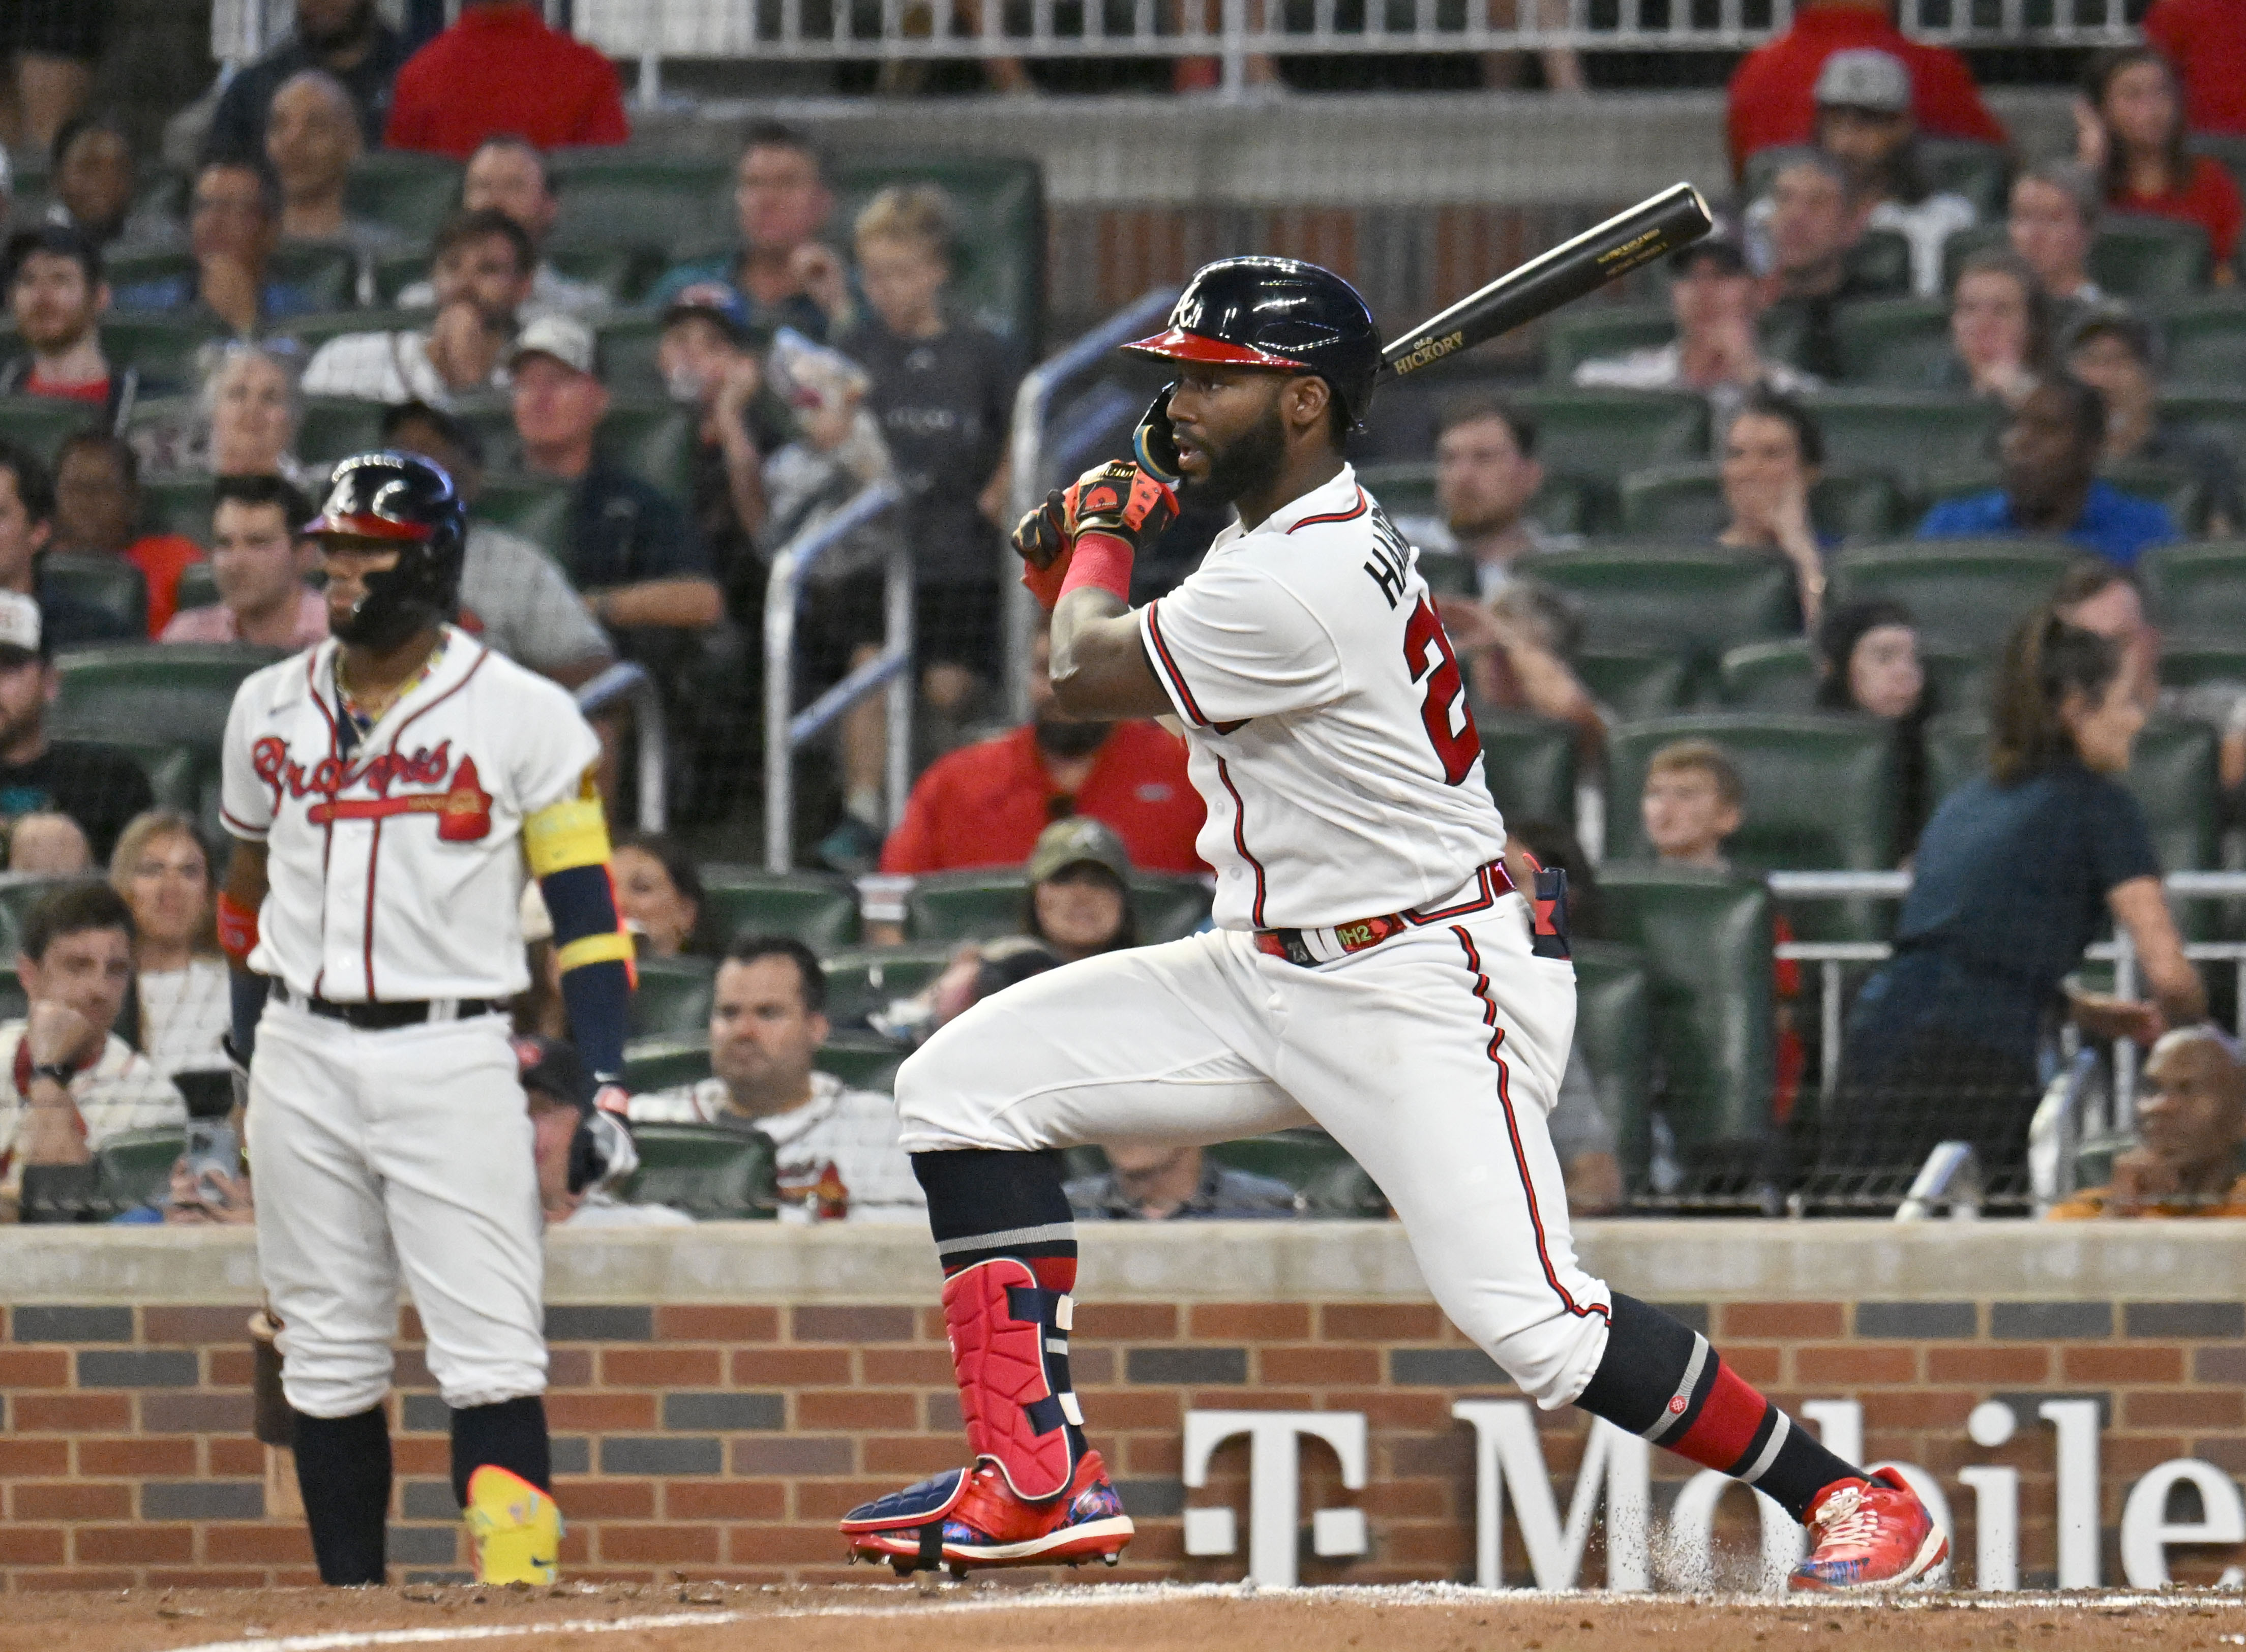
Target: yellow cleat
<point>514,1529</point>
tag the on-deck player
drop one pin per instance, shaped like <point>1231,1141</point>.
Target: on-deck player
<point>386,790</point>
<point>1374,970</point>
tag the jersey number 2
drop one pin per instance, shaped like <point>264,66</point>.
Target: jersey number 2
<point>1427,653</point>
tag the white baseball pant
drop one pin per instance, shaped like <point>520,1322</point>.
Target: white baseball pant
<point>1434,1059</point>
<point>377,1156</point>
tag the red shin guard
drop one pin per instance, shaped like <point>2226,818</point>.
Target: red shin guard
<point>1009,1332</point>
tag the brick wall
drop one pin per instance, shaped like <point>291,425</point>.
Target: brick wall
<point>714,1440</point>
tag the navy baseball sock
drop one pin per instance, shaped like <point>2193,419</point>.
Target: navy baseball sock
<point>343,1471</point>
<point>1663,1380</point>
<point>510,1435</point>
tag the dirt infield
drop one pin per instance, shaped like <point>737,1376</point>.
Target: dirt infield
<point>709,1617</point>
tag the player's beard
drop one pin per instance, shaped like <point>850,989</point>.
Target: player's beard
<point>1250,464</point>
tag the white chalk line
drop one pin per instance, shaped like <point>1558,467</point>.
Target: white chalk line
<point>1115,1594</point>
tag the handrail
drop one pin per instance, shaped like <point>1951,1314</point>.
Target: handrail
<point>1032,403</point>
<point>627,682</point>
<point>784,731</point>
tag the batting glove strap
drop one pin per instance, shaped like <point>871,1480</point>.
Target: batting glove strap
<point>601,1154</point>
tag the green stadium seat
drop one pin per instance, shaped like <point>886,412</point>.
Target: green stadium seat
<point>999,274</point>
<point>1403,487</point>
<point>176,694</point>
<point>411,191</point>
<point>2222,415</point>
<point>135,266</point>
<point>1640,682</point>
<point>335,427</point>
<point>44,422</point>
<point>665,1064</point>
<point>1957,751</point>
<point>863,1061</point>
<point>655,441</point>
<point>1575,336</point>
<point>1325,1178</point>
<point>1407,489</point>
<point>1613,1012</point>
<point>2143,259</point>
<point>710,1171</point>
<point>1980,172</point>
<point>395,272</point>
<point>614,197</point>
<point>1964,595</point>
<point>1900,343</point>
<point>622,270</point>
<point>1705,943</point>
<point>628,353</point>
<point>198,586</point>
<point>2196,658</point>
<point>312,332</point>
<point>537,507</point>
<point>1905,435</point>
<point>1685,502</point>
<point>1963,243</point>
<point>165,350</point>
<point>863,983</point>
<point>2207,342</point>
<point>1778,675</point>
<point>1607,434</point>
<point>987,903</point>
<point>110,583</point>
<point>1960,682</point>
<point>176,773</point>
<point>327,275</point>
<point>177,504</point>
<point>2169,486</point>
<point>817,909</point>
<point>1529,762</point>
<point>2199,589</point>
<point>19,892</point>
<point>672,998</point>
<point>1689,599</point>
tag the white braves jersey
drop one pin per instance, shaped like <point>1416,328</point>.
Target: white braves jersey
<point>395,865</point>
<point>1325,718</point>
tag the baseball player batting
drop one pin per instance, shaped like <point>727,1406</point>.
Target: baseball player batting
<point>386,790</point>
<point>1374,969</point>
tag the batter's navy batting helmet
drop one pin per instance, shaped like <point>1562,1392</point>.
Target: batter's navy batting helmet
<point>1275,312</point>
<point>404,499</point>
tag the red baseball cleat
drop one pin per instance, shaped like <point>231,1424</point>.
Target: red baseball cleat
<point>969,1518</point>
<point>1869,1534</point>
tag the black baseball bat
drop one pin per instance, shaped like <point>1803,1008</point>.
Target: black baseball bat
<point>1654,228</point>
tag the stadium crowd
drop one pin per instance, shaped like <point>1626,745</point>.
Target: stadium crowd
<point>1949,591</point>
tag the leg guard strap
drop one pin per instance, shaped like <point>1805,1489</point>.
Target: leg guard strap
<point>1012,1359</point>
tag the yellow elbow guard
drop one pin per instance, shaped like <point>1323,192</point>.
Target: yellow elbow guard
<point>574,834</point>
<point>600,948</point>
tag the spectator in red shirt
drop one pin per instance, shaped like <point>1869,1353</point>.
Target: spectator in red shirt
<point>98,512</point>
<point>984,805</point>
<point>2206,40</point>
<point>501,70</point>
<point>57,297</point>
<point>1773,93</point>
<point>2130,132</point>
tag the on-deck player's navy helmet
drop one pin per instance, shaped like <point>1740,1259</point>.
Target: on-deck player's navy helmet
<point>1275,312</point>
<point>404,498</point>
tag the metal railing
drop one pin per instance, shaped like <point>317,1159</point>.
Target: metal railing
<point>1030,459</point>
<point>629,685</point>
<point>787,730</point>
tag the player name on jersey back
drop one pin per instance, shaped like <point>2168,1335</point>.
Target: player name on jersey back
<point>394,863</point>
<point>1326,717</point>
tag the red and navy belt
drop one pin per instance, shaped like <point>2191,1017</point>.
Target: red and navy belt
<point>1488,885</point>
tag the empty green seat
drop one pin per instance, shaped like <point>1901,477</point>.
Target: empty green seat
<point>1638,683</point>
<point>1529,762</point>
<point>178,693</point>
<point>628,353</point>
<point>1964,595</point>
<point>1607,434</point>
<point>327,275</point>
<point>1980,172</point>
<point>1326,1181</point>
<point>1904,434</point>
<point>1903,342</point>
<point>666,1063</point>
<point>672,997</point>
<point>312,332</point>
<point>821,911</point>
<point>165,351</point>
<point>2198,589</point>
<point>137,267</point>
<point>110,583</point>
<point>2144,259</point>
<point>1613,1011</point>
<point>655,441</point>
<point>1778,675</point>
<point>616,196</point>
<point>136,1164</point>
<point>710,1171</point>
<point>1577,334</point>
<point>2194,659</point>
<point>177,504</point>
<point>2220,414</point>
<point>2207,342</point>
<point>1695,600</point>
<point>537,507</point>
<point>1684,502</point>
<point>621,270</point>
<point>177,774</point>
<point>999,248</point>
<point>335,427</point>
<point>1961,682</point>
<point>861,983</point>
<point>984,904</point>
<point>863,1061</point>
<point>44,422</point>
<point>411,191</point>
<point>198,586</point>
<point>1705,943</point>
<point>395,272</point>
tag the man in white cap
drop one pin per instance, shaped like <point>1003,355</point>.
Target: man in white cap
<point>1864,121</point>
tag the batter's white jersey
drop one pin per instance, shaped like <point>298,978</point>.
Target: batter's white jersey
<point>395,865</point>
<point>1325,717</point>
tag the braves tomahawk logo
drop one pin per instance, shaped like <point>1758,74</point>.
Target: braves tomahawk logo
<point>453,792</point>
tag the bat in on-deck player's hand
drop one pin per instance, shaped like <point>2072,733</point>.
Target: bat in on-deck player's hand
<point>1652,229</point>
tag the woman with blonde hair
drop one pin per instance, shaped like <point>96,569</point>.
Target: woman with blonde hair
<point>163,872</point>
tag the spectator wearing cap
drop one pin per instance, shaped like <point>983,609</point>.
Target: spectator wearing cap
<point>98,513</point>
<point>1864,121</point>
<point>837,1147</point>
<point>1487,473</point>
<point>57,296</point>
<point>2190,1121</point>
<point>260,560</point>
<point>1772,100</point>
<point>2118,356</point>
<point>501,68</point>
<point>27,510</point>
<point>99,788</point>
<point>2129,130</point>
<point>234,223</point>
<point>1715,299</point>
<point>96,189</point>
<point>2206,41</point>
<point>2048,454</point>
<point>1810,230</point>
<point>312,139</point>
<point>786,275</point>
<point>508,174</point>
<point>2051,223</point>
<point>346,39</point>
<point>708,358</point>
<point>632,550</point>
<point>481,269</point>
<point>512,594</point>
<point>1079,879</point>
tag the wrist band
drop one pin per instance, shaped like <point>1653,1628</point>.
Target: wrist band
<point>1101,559</point>
<point>61,1071</point>
<point>237,929</point>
